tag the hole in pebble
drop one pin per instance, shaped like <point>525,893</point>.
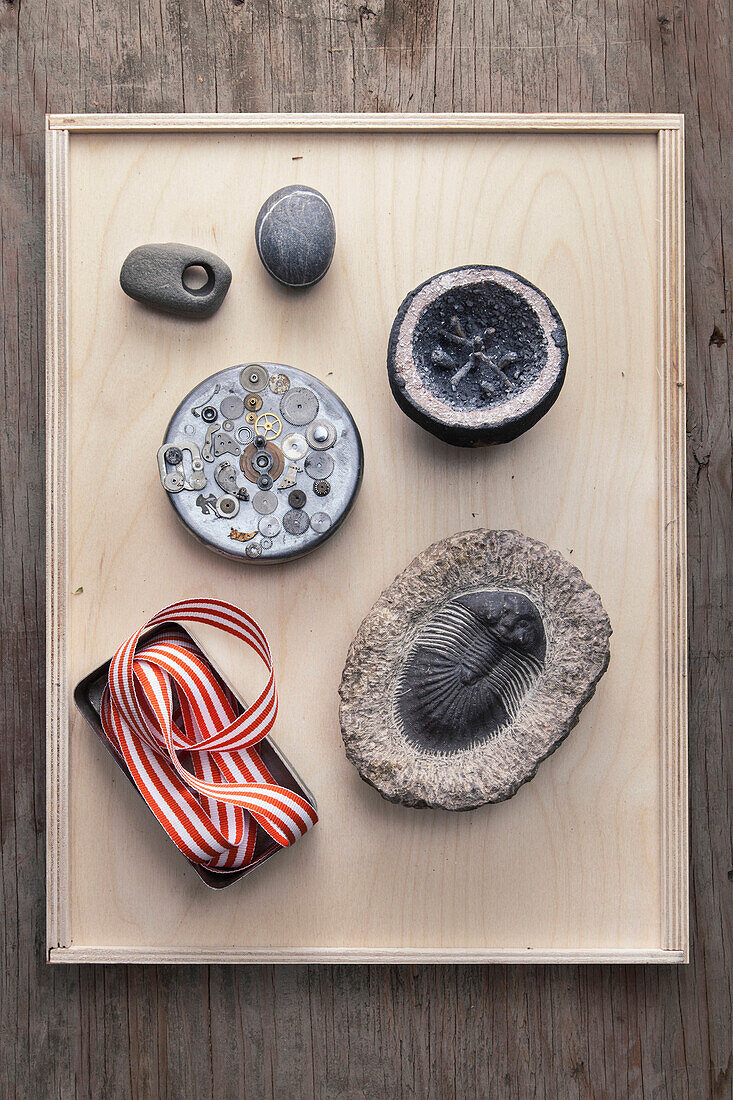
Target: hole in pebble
<point>198,278</point>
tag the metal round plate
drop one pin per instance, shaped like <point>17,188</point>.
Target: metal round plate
<point>247,536</point>
<point>296,522</point>
<point>254,377</point>
<point>321,522</point>
<point>294,446</point>
<point>232,407</point>
<point>320,435</point>
<point>299,405</point>
<point>265,502</point>
<point>318,465</point>
<point>269,526</point>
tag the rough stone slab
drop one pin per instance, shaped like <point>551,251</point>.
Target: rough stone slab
<point>577,630</point>
<point>153,274</point>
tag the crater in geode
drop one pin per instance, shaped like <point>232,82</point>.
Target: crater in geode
<point>476,355</point>
<point>470,670</point>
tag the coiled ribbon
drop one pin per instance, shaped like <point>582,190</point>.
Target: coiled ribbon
<point>190,749</point>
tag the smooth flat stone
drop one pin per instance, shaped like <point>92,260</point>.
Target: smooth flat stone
<point>295,235</point>
<point>153,274</point>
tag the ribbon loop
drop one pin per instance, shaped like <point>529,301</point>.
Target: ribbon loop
<point>188,745</point>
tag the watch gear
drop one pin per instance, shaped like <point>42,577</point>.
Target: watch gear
<point>264,502</point>
<point>296,522</point>
<point>299,405</point>
<point>294,446</point>
<point>279,383</point>
<point>269,526</point>
<point>275,462</point>
<point>227,507</point>
<point>254,377</point>
<point>232,407</point>
<point>320,435</point>
<point>268,425</point>
<point>321,522</point>
<point>318,465</point>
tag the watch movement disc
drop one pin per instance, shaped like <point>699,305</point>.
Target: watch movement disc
<point>273,467</point>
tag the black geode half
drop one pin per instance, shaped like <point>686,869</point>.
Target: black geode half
<point>470,669</point>
<point>476,355</point>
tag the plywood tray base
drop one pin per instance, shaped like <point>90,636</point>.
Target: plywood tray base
<point>587,862</point>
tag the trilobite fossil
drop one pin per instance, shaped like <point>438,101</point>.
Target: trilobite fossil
<point>465,677</point>
<point>470,669</point>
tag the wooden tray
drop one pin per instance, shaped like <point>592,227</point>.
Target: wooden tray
<point>587,862</point>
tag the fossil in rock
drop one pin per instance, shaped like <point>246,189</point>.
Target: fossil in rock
<point>465,677</point>
<point>470,669</point>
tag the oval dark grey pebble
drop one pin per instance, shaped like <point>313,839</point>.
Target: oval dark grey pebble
<point>295,235</point>
<point>153,274</point>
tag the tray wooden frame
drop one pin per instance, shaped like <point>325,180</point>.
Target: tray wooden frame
<point>671,361</point>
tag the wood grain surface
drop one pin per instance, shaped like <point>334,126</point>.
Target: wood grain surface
<point>359,1031</point>
<point>578,859</point>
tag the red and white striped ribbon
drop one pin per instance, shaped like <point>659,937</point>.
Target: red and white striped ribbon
<point>191,753</point>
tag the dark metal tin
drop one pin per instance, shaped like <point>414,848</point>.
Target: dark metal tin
<point>88,698</point>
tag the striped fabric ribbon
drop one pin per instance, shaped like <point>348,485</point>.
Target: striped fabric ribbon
<point>190,749</point>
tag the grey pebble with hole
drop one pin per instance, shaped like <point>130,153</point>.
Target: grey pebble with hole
<point>154,275</point>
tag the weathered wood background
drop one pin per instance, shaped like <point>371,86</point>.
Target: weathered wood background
<point>355,1031</point>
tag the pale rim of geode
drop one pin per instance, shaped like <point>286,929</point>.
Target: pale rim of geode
<point>509,418</point>
<point>577,631</point>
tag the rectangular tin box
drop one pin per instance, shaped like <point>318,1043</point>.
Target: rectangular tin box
<point>88,698</point>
